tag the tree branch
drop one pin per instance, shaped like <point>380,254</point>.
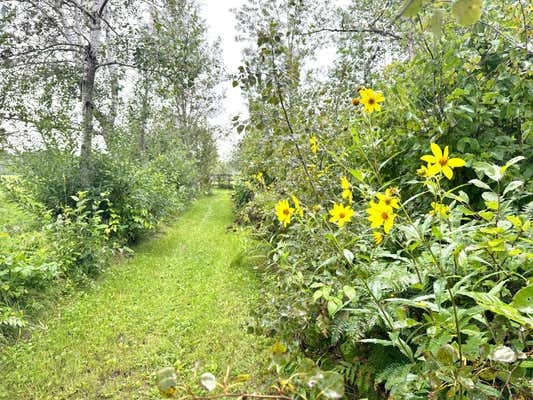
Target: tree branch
<point>356,30</point>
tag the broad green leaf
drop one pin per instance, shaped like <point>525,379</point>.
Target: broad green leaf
<point>467,12</point>
<point>349,292</point>
<point>348,255</point>
<point>167,382</point>
<point>411,8</point>
<point>166,373</point>
<point>523,300</point>
<point>334,305</point>
<point>208,381</point>
<point>435,24</point>
<point>494,304</point>
<point>512,186</point>
<point>479,184</point>
<point>447,354</point>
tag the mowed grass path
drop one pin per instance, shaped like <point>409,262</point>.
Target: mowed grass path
<point>181,300</point>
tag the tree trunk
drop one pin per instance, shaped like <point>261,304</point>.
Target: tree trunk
<point>87,93</point>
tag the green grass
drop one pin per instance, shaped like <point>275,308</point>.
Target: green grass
<point>11,217</point>
<point>179,301</point>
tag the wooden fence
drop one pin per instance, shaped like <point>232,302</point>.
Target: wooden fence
<point>223,181</point>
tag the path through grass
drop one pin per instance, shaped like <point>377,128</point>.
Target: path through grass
<point>180,301</point>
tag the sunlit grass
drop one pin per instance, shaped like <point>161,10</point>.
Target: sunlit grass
<point>180,301</point>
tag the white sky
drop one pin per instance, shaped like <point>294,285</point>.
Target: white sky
<point>221,23</point>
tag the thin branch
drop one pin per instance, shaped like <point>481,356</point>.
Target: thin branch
<point>506,37</point>
<point>289,125</point>
<point>356,30</point>
<point>52,48</point>
<point>101,9</point>
<point>82,9</point>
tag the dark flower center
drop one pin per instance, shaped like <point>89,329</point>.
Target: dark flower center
<point>384,215</point>
<point>371,101</point>
<point>342,215</point>
<point>286,211</point>
<point>443,161</point>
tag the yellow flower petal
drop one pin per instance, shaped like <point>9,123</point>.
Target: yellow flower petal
<point>429,159</point>
<point>456,162</point>
<point>445,155</point>
<point>437,152</point>
<point>434,169</point>
<point>448,173</point>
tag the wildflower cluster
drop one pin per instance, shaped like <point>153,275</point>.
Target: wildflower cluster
<point>314,144</point>
<point>382,212</point>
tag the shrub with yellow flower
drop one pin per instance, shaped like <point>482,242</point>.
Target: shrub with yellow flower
<point>378,237</point>
<point>346,191</point>
<point>284,212</point>
<point>297,207</point>
<point>314,144</point>
<point>381,214</point>
<point>370,100</point>
<point>388,199</point>
<point>340,214</point>
<point>439,162</point>
<point>440,209</point>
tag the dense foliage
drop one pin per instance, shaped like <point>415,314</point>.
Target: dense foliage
<point>104,130</point>
<point>395,193</point>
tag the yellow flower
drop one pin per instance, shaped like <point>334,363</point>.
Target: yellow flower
<point>439,162</point>
<point>259,177</point>
<point>440,209</point>
<point>388,199</point>
<point>346,193</point>
<point>378,237</point>
<point>371,100</point>
<point>345,184</point>
<point>284,212</point>
<point>355,101</point>
<point>314,144</point>
<point>299,210</point>
<point>340,214</point>
<point>317,207</point>
<point>381,214</point>
<point>423,171</point>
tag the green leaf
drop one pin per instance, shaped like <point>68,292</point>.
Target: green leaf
<point>348,255</point>
<point>523,300</point>
<point>435,24</point>
<point>377,341</point>
<point>208,381</point>
<point>334,305</point>
<point>411,8</point>
<point>479,184</point>
<point>447,354</point>
<point>512,186</point>
<point>494,304</point>
<point>467,12</point>
<point>167,382</point>
<point>349,292</point>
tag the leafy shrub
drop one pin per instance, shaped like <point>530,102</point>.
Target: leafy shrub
<point>428,298</point>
